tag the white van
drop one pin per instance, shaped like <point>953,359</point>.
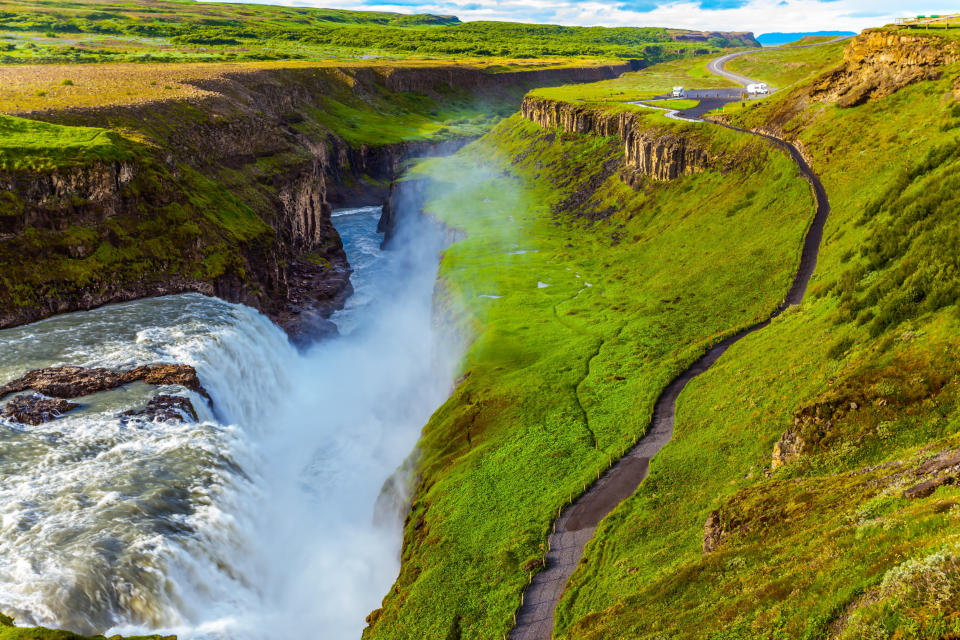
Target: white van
<point>678,92</point>
<point>760,88</point>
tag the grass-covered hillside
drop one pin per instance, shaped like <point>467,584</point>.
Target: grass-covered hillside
<point>642,85</point>
<point>781,67</point>
<point>45,31</point>
<point>816,460</point>
<point>810,489</point>
<point>587,286</point>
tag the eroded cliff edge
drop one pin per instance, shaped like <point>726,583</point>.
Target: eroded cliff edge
<point>229,194</point>
<point>656,152</point>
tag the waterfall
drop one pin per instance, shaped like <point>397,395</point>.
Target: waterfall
<point>256,521</point>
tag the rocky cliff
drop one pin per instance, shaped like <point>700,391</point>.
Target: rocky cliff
<point>229,194</point>
<point>880,62</point>
<point>429,80</point>
<point>656,153</point>
<point>744,38</point>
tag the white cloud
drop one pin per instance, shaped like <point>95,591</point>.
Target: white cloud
<point>759,16</point>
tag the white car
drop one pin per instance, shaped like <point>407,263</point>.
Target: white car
<point>759,88</point>
<point>678,92</point>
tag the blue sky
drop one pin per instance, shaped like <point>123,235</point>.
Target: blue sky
<point>759,16</point>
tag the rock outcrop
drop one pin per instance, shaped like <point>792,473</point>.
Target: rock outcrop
<point>69,381</point>
<point>720,524</point>
<point>36,409</point>
<point>421,80</point>
<point>656,153</point>
<point>53,386</point>
<point>811,425</point>
<point>940,470</point>
<point>165,408</point>
<point>880,62</point>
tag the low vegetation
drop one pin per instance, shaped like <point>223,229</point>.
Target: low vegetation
<point>784,66</point>
<point>641,85</point>
<point>32,145</point>
<point>48,31</point>
<point>810,488</point>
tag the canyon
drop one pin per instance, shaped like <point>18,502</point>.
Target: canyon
<point>77,237</point>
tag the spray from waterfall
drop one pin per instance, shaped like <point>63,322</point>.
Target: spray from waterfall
<point>255,521</point>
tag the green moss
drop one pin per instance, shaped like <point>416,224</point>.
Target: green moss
<point>316,259</point>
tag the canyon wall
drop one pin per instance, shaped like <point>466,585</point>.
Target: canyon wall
<point>656,153</point>
<point>229,194</point>
<point>880,62</point>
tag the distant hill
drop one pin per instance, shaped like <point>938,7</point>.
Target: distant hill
<point>773,39</point>
<point>57,31</point>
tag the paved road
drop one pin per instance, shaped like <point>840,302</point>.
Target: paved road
<point>716,67</point>
<point>712,99</point>
<point>576,524</point>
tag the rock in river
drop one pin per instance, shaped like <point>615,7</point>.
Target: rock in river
<point>69,381</point>
<point>36,408</point>
<point>167,409</point>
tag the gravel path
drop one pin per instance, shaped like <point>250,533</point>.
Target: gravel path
<point>576,524</point>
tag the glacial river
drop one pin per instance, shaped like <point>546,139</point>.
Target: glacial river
<point>256,521</point>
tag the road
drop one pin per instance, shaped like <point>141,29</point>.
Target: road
<point>713,99</point>
<point>716,66</point>
<point>576,524</point>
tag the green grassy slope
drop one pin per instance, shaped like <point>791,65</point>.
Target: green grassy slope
<point>863,378</point>
<point>96,30</point>
<point>782,66</point>
<point>604,292</point>
<point>32,145</point>
<point>641,85</point>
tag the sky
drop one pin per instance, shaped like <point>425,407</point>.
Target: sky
<point>758,16</point>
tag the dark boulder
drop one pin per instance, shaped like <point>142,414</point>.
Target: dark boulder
<point>167,409</point>
<point>37,409</point>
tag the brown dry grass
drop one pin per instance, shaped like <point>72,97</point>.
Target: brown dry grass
<point>36,88</point>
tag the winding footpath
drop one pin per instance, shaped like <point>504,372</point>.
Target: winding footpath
<point>576,524</point>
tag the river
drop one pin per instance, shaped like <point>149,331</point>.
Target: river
<point>255,521</point>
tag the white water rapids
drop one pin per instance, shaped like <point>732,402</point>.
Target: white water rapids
<point>255,522</point>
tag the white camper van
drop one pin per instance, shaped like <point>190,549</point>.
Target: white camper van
<point>759,88</point>
<point>678,92</point>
